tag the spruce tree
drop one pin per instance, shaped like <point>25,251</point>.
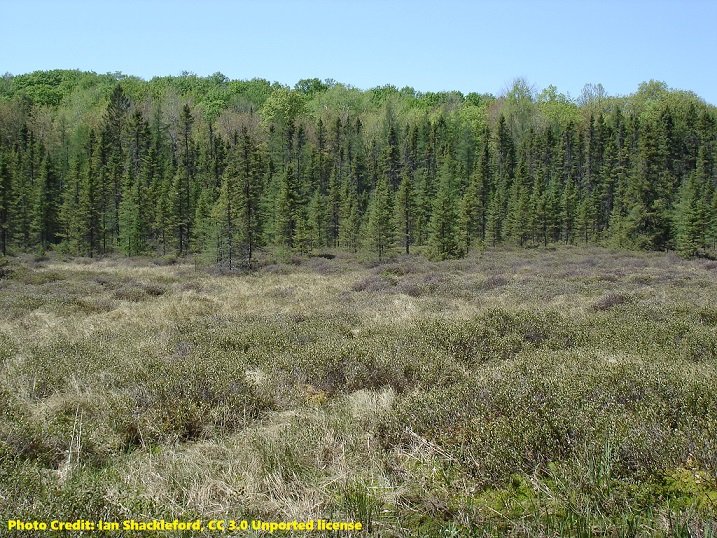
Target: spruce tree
<point>248,199</point>
<point>405,211</point>
<point>72,221</point>
<point>318,220</point>
<point>45,208</point>
<point>380,231</point>
<point>132,227</point>
<point>113,162</point>
<point>92,200</point>
<point>553,216</point>
<point>23,177</point>
<point>473,210</point>
<point>690,218</point>
<point>224,217</point>
<point>518,214</point>
<point>333,206</point>
<point>496,214</point>
<point>287,209</point>
<point>568,210</point>
<point>647,219</point>
<point>443,242</point>
<point>165,215</point>
<point>203,230</point>
<point>350,217</point>
<point>6,196</point>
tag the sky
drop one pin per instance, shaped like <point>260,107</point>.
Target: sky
<point>470,46</point>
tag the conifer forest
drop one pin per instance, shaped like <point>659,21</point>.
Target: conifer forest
<point>95,164</point>
<point>240,308</point>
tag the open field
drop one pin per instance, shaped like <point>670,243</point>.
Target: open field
<point>533,392</point>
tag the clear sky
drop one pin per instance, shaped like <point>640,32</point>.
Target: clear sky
<point>436,45</point>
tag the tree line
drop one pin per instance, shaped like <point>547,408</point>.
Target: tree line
<point>93,164</point>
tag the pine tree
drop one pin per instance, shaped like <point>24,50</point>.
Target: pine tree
<point>425,195</point>
<point>203,230</point>
<point>473,211</point>
<point>380,232</point>
<point>553,217</point>
<point>349,218</point>
<point>483,181</point>
<point>584,218</point>
<point>287,209</point>
<point>165,216</point>
<point>318,219</point>
<point>518,215</point>
<point>6,196</point>
<point>391,157</point>
<point>132,227</point>
<point>538,212</point>
<point>505,155</point>
<point>44,223</point>
<point>712,230</point>
<point>113,162</point>
<point>443,242</point>
<point>248,199</point>
<point>224,218</point>
<point>405,211</point>
<point>72,220</point>
<point>92,200</point>
<point>333,204</point>
<point>648,190</point>
<point>303,238</point>
<point>691,218</point>
<point>183,185</point>
<point>23,178</point>
<point>643,180</point>
<point>568,210</point>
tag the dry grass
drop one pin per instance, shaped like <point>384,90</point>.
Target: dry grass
<point>477,393</point>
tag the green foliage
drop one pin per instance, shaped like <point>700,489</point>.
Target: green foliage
<point>380,231</point>
<point>283,107</point>
<point>442,398</point>
<point>93,164</point>
<point>405,212</point>
<point>443,241</point>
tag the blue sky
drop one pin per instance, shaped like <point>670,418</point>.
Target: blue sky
<point>439,45</point>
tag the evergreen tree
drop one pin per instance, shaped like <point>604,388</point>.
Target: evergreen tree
<point>647,195</point>
<point>568,210</point>
<point>494,222</point>
<point>224,217</point>
<point>287,210</point>
<point>45,206</point>
<point>92,199</point>
<point>333,204</point>
<point>536,172</point>
<point>474,204</point>
<point>443,242</point>
<point>23,178</point>
<point>405,213</point>
<point>112,161</point>
<point>318,219</point>
<point>6,197</point>
<point>350,217</point>
<point>72,219</point>
<point>165,216</point>
<point>553,214</point>
<point>203,230</point>
<point>380,232</point>
<point>132,225</point>
<point>518,214</point>
<point>690,218</point>
<point>248,199</point>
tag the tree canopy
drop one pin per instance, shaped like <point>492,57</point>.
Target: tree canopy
<point>92,163</point>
